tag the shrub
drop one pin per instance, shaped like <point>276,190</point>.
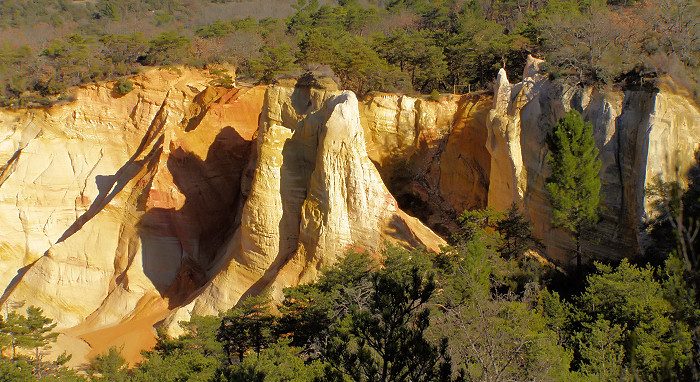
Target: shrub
<point>434,96</point>
<point>168,48</point>
<point>123,86</point>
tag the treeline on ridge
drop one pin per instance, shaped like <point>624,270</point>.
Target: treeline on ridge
<point>421,46</point>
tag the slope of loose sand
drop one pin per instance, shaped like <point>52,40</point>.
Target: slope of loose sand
<point>130,336</point>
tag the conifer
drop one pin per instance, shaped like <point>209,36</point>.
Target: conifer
<point>574,185</point>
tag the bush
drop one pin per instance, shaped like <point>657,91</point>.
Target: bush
<point>123,87</point>
<point>168,48</point>
<point>223,78</point>
<point>434,96</point>
<point>273,62</point>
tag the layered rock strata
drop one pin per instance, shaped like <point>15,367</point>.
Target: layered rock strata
<point>641,136</point>
<point>118,210</point>
<point>118,213</point>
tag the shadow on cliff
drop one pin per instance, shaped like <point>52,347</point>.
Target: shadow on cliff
<point>13,283</point>
<point>415,182</point>
<point>675,225</point>
<point>630,161</point>
<point>109,186</point>
<point>179,245</point>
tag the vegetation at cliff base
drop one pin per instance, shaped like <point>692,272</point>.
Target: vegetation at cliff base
<point>46,46</point>
<point>574,184</point>
<point>482,309</point>
<point>25,338</point>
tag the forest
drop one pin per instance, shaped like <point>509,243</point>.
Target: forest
<point>410,46</point>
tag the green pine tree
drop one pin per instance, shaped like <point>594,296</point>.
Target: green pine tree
<point>641,322</point>
<point>574,185</point>
<point>387,340</point>
<point>40,329</point>
<point>108,366</point>
<point>516,232</point>
<point>246,327</point>
<point>13,329</point>
<point>39,337</point>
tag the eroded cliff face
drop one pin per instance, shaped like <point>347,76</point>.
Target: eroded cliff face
<point>313,196</point>
<point>641,136</point>
<point>121,213</point>
<point>479,150</point>
<point>432,154</point>
<point>112,208</point>
<point>118,211</point>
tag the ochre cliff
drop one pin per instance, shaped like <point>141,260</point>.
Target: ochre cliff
<point>112,207</point>
<point>314,194</point>
<point>120,213</point>
<point>116,211</point>
<point>431,153</point>
<point>641,136</point>
<point>472,151</point>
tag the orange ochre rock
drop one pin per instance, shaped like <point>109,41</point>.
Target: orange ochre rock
<point>122,213</point>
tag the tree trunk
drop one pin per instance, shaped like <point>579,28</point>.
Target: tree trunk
<point>38,363</point>
<point>577,237</point>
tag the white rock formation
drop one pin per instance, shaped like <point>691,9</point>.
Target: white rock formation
<point>314,195</point>
<point>110,206</point>
<point>641,135</point>
<point>116,211</point>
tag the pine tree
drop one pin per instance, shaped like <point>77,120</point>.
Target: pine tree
<point>516,232</point>
<point>109,366</point>
<point>574,185</point>
<point>40,336</point>
<point>13,327</point>
<point>40,330</point>
<point>387,340</point>
<point>247,326</point>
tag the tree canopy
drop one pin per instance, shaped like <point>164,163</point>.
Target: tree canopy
<point>574,183</point>
<point>407,46</point>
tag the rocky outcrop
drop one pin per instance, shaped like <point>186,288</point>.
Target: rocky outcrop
<point>431,153</point>
<point>313,196</point>
<point>117,211</point>
<point>641,135</point>
<point>472,151</point>
<point>113,206</point>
